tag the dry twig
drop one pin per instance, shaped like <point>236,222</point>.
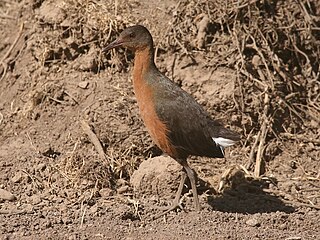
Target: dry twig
<point>94,139</point>
<point>4,61</point>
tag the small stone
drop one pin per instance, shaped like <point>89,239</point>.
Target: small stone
<point>47,224</point>
<point>59,200</point>
<point>256,61</point>
<point>83,84</point>
<point>105,192</point>
<point>66,220</point>
<point>253,222</point>
<point>51,13</point>
<point>122,189</point>
<point>35,199</point>
<point>73,237</point>
<point>283,226</point>
<point>41,167</point>
<point>6,195</point>
<point>63,208</point>
<point>122,182</point>
<point>28,208</point>
<point>94,209</point>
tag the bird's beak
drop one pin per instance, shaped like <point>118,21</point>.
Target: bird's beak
<point>116,43</point>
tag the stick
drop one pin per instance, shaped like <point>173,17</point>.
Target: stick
<point>251,156</point>
<point>257,168</point>
<point>94,139</point>
<point>2,62</point>
<point>1,118</point>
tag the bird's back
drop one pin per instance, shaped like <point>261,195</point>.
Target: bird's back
<point>191,131</point>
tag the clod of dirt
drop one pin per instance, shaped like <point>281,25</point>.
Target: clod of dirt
<point>87,62</point>
<point>35,199</point>
<point>202,28</point>
<point>6,195</point>
<point>51,12</point>
<point>253,222</point>
<point>156,176</point>
<point>105,192</point>
<point>232,178</point>
<point>83,84</point>
<point>122,189</point>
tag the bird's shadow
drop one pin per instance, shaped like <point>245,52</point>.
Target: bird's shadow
<point>247,198</point>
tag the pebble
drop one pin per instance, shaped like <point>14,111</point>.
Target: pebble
<point>41,167</point>
<point>122,182</point>
<point>253,222</point>
<point>83,84</point>
<point>256,61</point>
<point>122,189</point>
<point>283,226</point>
<point>94,209</point>
<point>105,192</point>
<point>35,199</point>
<point>6,195</point>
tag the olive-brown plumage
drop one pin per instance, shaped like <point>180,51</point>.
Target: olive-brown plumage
<point>175,121</point>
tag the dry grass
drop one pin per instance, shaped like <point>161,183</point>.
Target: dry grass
<point>273,45</point>
<point>74,27</point>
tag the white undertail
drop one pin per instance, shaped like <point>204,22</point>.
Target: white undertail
<point>223,142</point>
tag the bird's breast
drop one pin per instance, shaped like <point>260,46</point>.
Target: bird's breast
<point>145,94</point>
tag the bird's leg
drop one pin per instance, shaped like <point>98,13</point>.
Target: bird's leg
<point>192,179</point>
<point>176,201</point>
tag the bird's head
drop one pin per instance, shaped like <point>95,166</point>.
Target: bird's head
<point>134,38</point>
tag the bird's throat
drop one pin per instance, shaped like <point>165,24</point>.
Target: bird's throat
<point>143,62</point>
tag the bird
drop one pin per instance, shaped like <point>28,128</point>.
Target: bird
<point>176,122</point>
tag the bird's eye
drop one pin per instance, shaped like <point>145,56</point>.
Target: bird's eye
<point>132,35</point>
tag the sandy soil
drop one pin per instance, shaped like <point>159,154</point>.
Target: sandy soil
<point>55,185</point>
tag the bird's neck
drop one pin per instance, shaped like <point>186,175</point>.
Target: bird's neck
<point>143,64</point>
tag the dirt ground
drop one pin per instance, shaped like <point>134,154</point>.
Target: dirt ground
<point>54,184</point>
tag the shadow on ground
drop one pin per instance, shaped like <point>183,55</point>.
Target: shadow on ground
<point>248,198</point>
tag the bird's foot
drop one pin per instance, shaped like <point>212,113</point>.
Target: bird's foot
<point>166,210</point>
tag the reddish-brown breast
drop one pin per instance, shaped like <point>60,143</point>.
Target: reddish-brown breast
<point>144,92</point>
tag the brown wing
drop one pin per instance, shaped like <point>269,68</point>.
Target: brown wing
<point>190,128</point>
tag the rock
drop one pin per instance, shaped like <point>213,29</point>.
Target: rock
<point>253,222</point>
<point>83,84</point>
<point>202,30</point>
<point>51,12</point>
<point>35,199</point>
<point>105,192</point>
<point>122,182</point>
<point>283,226</point>
<point>41,167</point>
<point>94,209</point>
<point>87,62</point>
<point>157,176</point>
<point>6,195</point>
<point>27,208</point>
<point>47,224</point>
<point>256,61</point>
<point>122,189</point>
